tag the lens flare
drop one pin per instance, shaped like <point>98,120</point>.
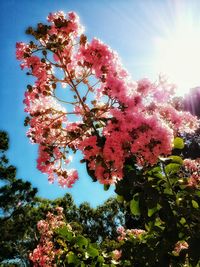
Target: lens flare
<point>178,54</point>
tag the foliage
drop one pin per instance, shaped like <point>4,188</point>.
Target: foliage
<point>16,198</point>
<point>21,209</point>
<point>164,202</point>
<point>101,223</point>
<point>162,227</point>
<point>62,245</point>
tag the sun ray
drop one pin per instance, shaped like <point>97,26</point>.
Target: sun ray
<point>177,53</point>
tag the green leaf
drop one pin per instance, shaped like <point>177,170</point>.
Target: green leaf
<point>178,143</point>
<point>71,257</point>
<point>100,259</point>
<point>81,241</point>
<point>106,187</point>
<point>168,191</point>
<point>195,204</point>
<point>155,169</point>
<point>156,172</point>
<point>134,206</point>
<point>182,220</point>
<point>172,168</point>
<point>151,211</point>
<point>65,233</point>
<point>176,159</point>
<point>159,223</point>
<point>120,199</point>
<point>93,252</point>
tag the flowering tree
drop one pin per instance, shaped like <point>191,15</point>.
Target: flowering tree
<point>100,99</point>
<point>61,245</point>
<point>83,99</point>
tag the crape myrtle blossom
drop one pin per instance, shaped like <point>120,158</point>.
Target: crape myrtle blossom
<point>45,252</point>
<point>117,254</point>
<point>179,246</point>
<point>192,170</point>
<point>102,112</point>
<point>125,234</point>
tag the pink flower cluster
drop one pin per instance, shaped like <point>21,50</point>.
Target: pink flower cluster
<point>125,234</point>
<point>64,27</point>
<point>192,167</point>
<point>45,252</point>
<point>103,113</point>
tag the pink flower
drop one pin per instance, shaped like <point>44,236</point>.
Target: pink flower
<point>116,254</point>
<point>135,232</point>
<point>45,253</point>
<point>120,229</point>
<point>69,180</point>
<point>21,49</point>
<point>191,165</point>
<point>144,87</point>
<point>194,180</point>
<point>179,246</point>
<point>127,234</point>
<point>192,168</point>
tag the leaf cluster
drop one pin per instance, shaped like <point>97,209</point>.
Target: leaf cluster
<point>77,250</point>
<point>159,201</point>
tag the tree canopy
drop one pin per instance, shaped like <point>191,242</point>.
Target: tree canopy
<point>136,135</point>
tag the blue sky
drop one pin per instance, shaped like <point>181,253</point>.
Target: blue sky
<point>129,26</point>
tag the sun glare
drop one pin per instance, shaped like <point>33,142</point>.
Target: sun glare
<point>178,55</point>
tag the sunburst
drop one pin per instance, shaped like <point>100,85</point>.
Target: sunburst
<point>178,53</point>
